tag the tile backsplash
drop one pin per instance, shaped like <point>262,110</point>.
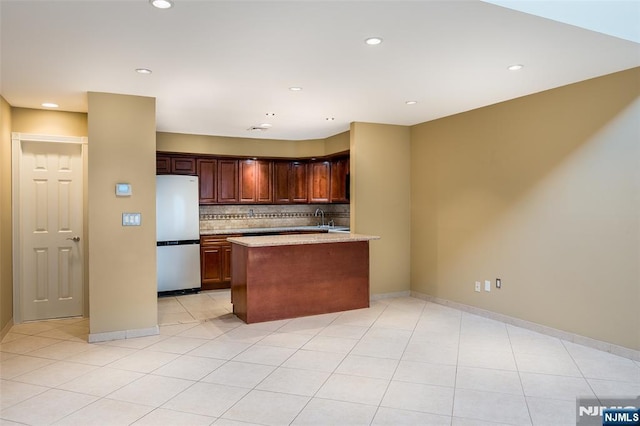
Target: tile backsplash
<point>267,216</point>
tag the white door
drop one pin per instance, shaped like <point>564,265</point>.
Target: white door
<point>51,230</point>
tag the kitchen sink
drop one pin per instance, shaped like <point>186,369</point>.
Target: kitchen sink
<point>339,229</point>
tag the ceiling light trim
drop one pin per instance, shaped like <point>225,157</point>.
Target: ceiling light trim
<point>161,4</point>
<point>373,41</point>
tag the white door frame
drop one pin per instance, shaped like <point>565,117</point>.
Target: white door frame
<point>16,162</point>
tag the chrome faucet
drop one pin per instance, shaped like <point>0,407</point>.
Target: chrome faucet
<point>319,210</point>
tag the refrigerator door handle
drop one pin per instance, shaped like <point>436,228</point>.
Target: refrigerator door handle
<point>177,243</point>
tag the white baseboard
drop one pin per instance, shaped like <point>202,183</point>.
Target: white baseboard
<point>390,295</point>
<point>123,334</point>
<point>542,329</point>
<point>6,329</point>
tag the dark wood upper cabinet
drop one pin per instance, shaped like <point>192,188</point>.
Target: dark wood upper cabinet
<point>339,180</point>
<point>281,192</point>
<point>319,181</point>
<point>175,165</point>
<point>228,192</point>
<point>290,182</point>
<point>183,165</point>
<point>232,180</point>
<point>298,188</point>
<point>207,180</point>
<point>163,165</point>
<point>247,181</point>
<point>255,181</point>
<point>264,182</point>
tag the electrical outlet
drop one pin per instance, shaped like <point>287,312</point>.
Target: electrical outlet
<point>478,286</point>
<point>498,283</point>
<point>487,285</point>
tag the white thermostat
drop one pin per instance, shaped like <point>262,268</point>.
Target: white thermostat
<point>123,190</point>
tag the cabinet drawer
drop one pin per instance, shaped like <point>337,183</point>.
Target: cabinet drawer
<point>208,240</point>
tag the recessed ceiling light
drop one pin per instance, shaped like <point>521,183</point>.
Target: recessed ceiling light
<point>143,71</point>
<point>411,102</point>
<point>270,114</point>
<point>161,4</point>
<point>330,118</point>
<point>515,67</point>
<point>373,41</point>
<point>49,105</point>
<point>266,125</point>
<point>295,89</point>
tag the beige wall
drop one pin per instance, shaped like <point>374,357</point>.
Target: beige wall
<point>543,192</point>
<point>220,145</point>
<point>337,143</point>
<point>380,201</point>
<point>6,259</point>
<point>122,263</point>
<point>48,122</point>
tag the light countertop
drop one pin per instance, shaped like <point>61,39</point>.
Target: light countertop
<point>271,229</point>
<point>299,239</point>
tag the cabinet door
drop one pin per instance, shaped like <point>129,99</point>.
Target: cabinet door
<point>163,165</point>
<point>207,177</point>
<point>319,181</point>
<point>255,181</point>
<point>183,165</point>
<point>264,181</point>
<point>211,265</point>
<point>339,180</point>
<point>227,181</point>
<point>226,262</point>
<point>298,192</point>
<point>281,182</point>
<point>247,181</point>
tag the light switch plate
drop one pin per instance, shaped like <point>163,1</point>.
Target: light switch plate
<point>487,285</point>
<point>131,219</point>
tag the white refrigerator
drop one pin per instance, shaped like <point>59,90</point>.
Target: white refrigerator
<point>178,233</point>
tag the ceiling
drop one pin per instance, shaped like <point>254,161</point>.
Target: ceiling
<point>218,67</point>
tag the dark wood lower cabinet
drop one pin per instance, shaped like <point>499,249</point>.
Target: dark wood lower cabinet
<point>215,262</point>
<point>215,259</point>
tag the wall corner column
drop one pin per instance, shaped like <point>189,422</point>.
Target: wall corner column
<point>122,259</point>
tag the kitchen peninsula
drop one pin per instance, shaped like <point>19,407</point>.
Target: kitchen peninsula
<point>288,276</point>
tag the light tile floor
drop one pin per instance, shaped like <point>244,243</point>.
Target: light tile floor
<point>403,361</point>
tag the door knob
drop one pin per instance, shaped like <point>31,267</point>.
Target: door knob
<point>76,238</point>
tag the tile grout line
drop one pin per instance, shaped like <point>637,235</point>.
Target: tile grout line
<point>455,377</point>
<point>399,360</point>
<point>515,360</point>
